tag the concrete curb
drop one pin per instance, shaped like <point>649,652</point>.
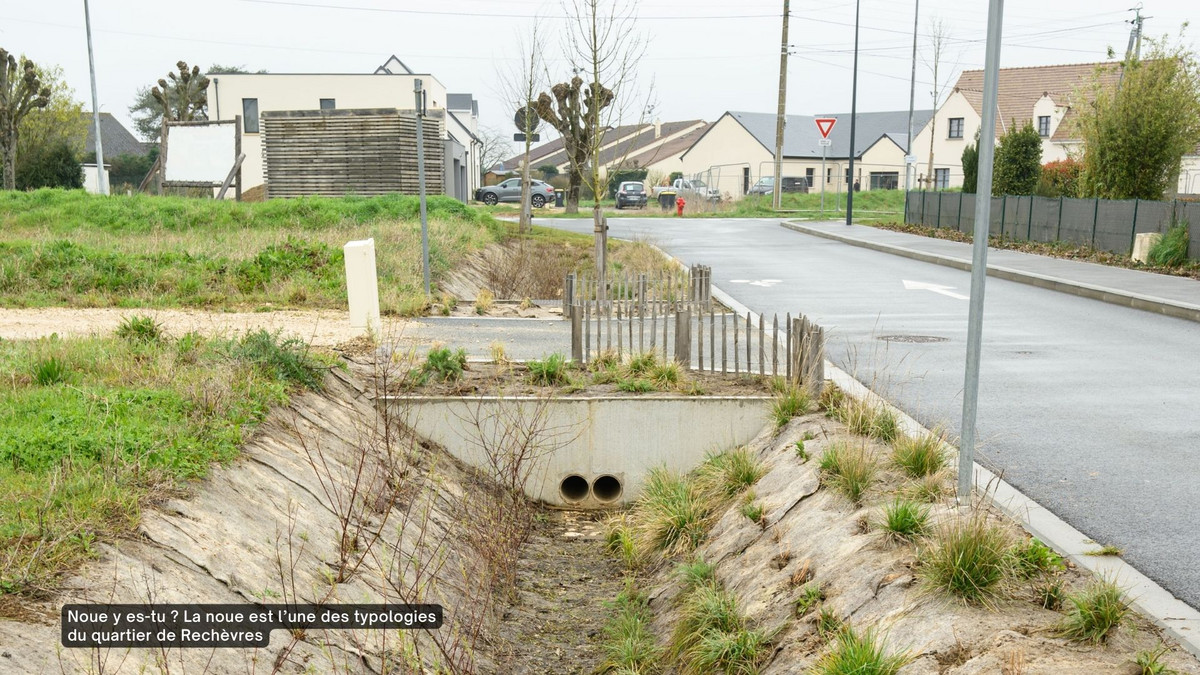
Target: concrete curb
<point>1179,310</point>
<point>1175,617</point>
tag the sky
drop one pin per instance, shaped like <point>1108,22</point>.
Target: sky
<point>703,57</point>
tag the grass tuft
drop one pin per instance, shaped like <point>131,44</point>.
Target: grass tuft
<point>287,359</point>
<point>140,329</point>
<point>695,573</point>
<point>550,371</point>
<point>810,596</point>
<point>1171,250</point>
<point>1051,594</point>
<point>1031,557</point>
<point>666,374</point>
<point>484,301</point>
<point>1150,661</point>
<point>864,419</point>
<point>445,365</point>
<point>828,623</point>
<point>712,636</point>
<point>850,470</point>
<point>801,453</point>
<point>1107,549</point>
<point>921,456</point>
<point>968,559</point>
<point>1094,611</point>
<point>904,520</point>
<point>790,402</point>
<point>670,516</point>
<point>635,385</point>
<point>49,371</point>
<point>620,542</point>
<point>629,642</point>
<point>861,654</point>
<point>754,512</point>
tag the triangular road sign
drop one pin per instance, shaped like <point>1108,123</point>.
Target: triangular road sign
<point>825,125</point>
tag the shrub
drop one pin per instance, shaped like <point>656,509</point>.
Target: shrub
<point>140,329</point>
<point>1171,250</point>
<point>789,403</point>
<point>904,520</point>
<point>445,365</point>
<point>1060,178</point>
<point>969,559</point>
<point>850,470</point>
<point>1032,557</point>
<point>1018,161</point>
<point>1094,612</point>
<point>51,370</point>
<point>860,654</point>
<point>287,360</point>
<point>550,371</point>
<point>921,456</point>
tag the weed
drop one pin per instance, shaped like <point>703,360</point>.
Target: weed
<point>1033,557</point>
<point>641,364</point>
<point>754,512</point>
<point>526,304</point>
<point>969,559</point>
<point>728,652</point>
<point>921,456</point>
<point>832,399</point>
<point>801,453</point>
<point>449,302</point>
<point>629,643</point>
<point>619,541</point>
<point>604,361</point>
<point>1171,250</point>
<point>286,360</point>
<point>498,353</point>
<point>810,597</point>
<point>864,419</point>
<point>550,371</point>
<point>712,635</point>
<point>904,520</point>
<point>789,403</point>
<point>1107,549</point>
<point>1051,594</point>
<point>140,329</point>
<point>929,489</point>
<point>1149,661</point>
<point>731,472</point>
<point>1094,612</point>
<point>50,370</point>
<point>808,436</point>
<point>850,470</point>
<point>445,365</point>
<point>666,375</point>
<point>828,623</point>
<point>484,301</point>
<point>695,573</point>
<point>635,385</point>
<point>695,389</point>
<point>861,654</point>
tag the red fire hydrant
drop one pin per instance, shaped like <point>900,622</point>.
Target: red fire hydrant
<point>679,203</point>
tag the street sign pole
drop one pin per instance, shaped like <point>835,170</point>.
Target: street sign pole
<point>824,127</point>
<point>823,149</point>
<point>420,106</point>
<point>101,179</point>
<point>987,150</point>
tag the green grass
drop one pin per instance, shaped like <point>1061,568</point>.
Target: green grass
<point>139,328</point>
<point>731,472</point>
<point>865,419</point>
<point>828,623</point>
<point>1051,594</point>
<point>801,453</point>
<point>969,559</point>
<point>1032,557</point>
<point>860,654</point>
<point>71,248</point>
<point>628,640</point>
<point>550,371</point>
<point>904,520</point>
<point>850,470</point>
<point>444,364</point>
<point>789,402</point>
<point>1094,612</point>
<point>1172,249</point>
<point>920,456</point>
<point>713,636</point>
<point>754,512</point>
<point>695,573</point>
<point>635,385</point>
<point>619,541</point>
<point>1150,661</point>
<point>137,421</point>
<point>1106,550</point>
<point>810,596</point>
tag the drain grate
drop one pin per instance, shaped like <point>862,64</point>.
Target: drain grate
<point>915,339</point>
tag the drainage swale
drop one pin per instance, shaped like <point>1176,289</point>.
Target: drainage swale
<point>915,339</point>
<point>574,488</point>
<point>606,489</point>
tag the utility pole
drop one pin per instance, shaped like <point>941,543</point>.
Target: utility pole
<point>1134,48</point>
<point>101,179</point>
<point>781,119</point>
<point>912,97</point>
<point>853,118</point>
<point>420,107</point>
<point>983,207</point>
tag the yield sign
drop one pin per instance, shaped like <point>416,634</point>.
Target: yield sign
<point>825,125</point>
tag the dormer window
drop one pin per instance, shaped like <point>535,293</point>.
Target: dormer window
<point>1044,126</point>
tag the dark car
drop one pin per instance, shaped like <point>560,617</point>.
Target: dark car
<point>541,193</point>
<point>631,193</point>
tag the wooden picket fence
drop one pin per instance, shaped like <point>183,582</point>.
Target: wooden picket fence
<point>680,321</point>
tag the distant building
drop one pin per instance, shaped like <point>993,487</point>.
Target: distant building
<point>117,139</point>
<point>390,86</point>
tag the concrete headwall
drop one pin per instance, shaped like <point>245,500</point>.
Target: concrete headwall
<point>619,437</point>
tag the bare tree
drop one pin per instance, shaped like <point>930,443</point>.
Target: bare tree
<point>521,84</point>
<point>938,44</point>
<point>494,148</point>
<point>21,91</point>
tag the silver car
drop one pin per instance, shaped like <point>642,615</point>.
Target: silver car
<point>541,192</point>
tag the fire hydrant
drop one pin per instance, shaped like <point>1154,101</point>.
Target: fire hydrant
<point>679,204</point>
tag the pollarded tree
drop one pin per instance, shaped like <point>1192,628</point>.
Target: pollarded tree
<point>21,91</point>
<point>1135,135</point>
<point>573,109</point>
<point>1018,161</point>
<point>181,96</point>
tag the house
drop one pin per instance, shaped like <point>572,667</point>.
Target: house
<point>1042,95</point>
<point>655,146</point>
<point>390,86</point>
<point>739,148</point>
<point>117,140</point>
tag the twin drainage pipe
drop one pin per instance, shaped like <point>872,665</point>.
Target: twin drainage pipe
<point>604,489</point>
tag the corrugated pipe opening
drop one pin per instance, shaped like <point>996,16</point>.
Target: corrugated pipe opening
<point>574,488</point>
<point>606,489</point>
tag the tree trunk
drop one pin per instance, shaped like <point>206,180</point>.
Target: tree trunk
<point>8,156</point>
<point>574,181</point>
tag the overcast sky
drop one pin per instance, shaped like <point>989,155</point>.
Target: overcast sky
<point>704,56</point>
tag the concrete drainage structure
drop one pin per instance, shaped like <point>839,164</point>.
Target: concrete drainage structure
<point>599,448</point>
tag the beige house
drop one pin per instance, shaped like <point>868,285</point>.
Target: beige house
<point>738,149</point>
<point>1041,95</point>
<point>390,86</point>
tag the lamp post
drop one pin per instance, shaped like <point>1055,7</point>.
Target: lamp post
<point>419,95</point>
<point>853,118</point>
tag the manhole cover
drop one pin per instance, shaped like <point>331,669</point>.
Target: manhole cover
<point>918,339</point>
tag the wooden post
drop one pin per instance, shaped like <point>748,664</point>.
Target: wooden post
<point>568,296</point>
<point>736,349</point>
<point>724,351</point>
<point>576,336</point>
<point>666,311</point>
<point>683,328</point>
<point>700,340</point>
<point>653,322</point>
<point>619,333</point>
<point>749,341</point>
<point>587,329</point>
<point>775,345</point>
<point>787,353</point>
<point>712,339</point>
<point>762,354</point>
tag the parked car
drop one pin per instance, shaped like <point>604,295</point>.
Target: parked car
<point>540,193</point>
<point>631,193</point>
<point>766,185</point>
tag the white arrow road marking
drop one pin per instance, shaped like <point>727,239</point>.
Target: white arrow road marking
<point>936,288</point>
<point>765,283</point>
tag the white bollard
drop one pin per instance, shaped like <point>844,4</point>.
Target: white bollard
<point>1142,244</point>
<point>362,287</point>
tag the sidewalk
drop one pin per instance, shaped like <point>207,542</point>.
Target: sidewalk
<point>1174,296</point>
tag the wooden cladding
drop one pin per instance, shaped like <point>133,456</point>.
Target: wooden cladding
<point>339,152</point>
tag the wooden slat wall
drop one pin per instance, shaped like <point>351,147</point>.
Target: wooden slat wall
<point>362,152</point>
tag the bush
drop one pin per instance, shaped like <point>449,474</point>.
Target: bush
<point>1171,250</point>
<point>921,456</point>
<point>445,365</point>
<point>1060,178</point>
<point>970,166</point>
<point>860,654</point>
<point>1094,612</point>
<point>286,360</point>
<point>550,371</point>
<point>850,470</point>
<point>52,167</point>
<point>969,559</point>
<point>1018,161</point>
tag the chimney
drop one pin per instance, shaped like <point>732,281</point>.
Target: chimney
<point>657,128</point>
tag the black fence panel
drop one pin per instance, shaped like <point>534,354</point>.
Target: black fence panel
<point>1114,226</point>
<point>1043,226</point>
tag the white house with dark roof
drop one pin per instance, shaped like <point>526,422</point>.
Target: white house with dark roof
<point>739,148</point>
<point>389,86</point>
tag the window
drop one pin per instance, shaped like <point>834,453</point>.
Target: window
<point>808,177</point>
<point>328,104</point>
<point>1044,126</point>
<point>848,181</point>
<point>956,127</point>
<point>250,115</point>
<point>828,175</point>
<point>941,179</point>
<point>885,180</point>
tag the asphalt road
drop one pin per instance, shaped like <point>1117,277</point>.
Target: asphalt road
<point>1091,409</point>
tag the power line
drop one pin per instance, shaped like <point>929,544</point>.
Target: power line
<point>434,12</point>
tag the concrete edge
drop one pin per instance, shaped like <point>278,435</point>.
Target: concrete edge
<point>1179,310</point>
<point>571,398</point>
<point>1175,617</point>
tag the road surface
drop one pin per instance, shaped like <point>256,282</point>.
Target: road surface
<point>1091,409</point>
